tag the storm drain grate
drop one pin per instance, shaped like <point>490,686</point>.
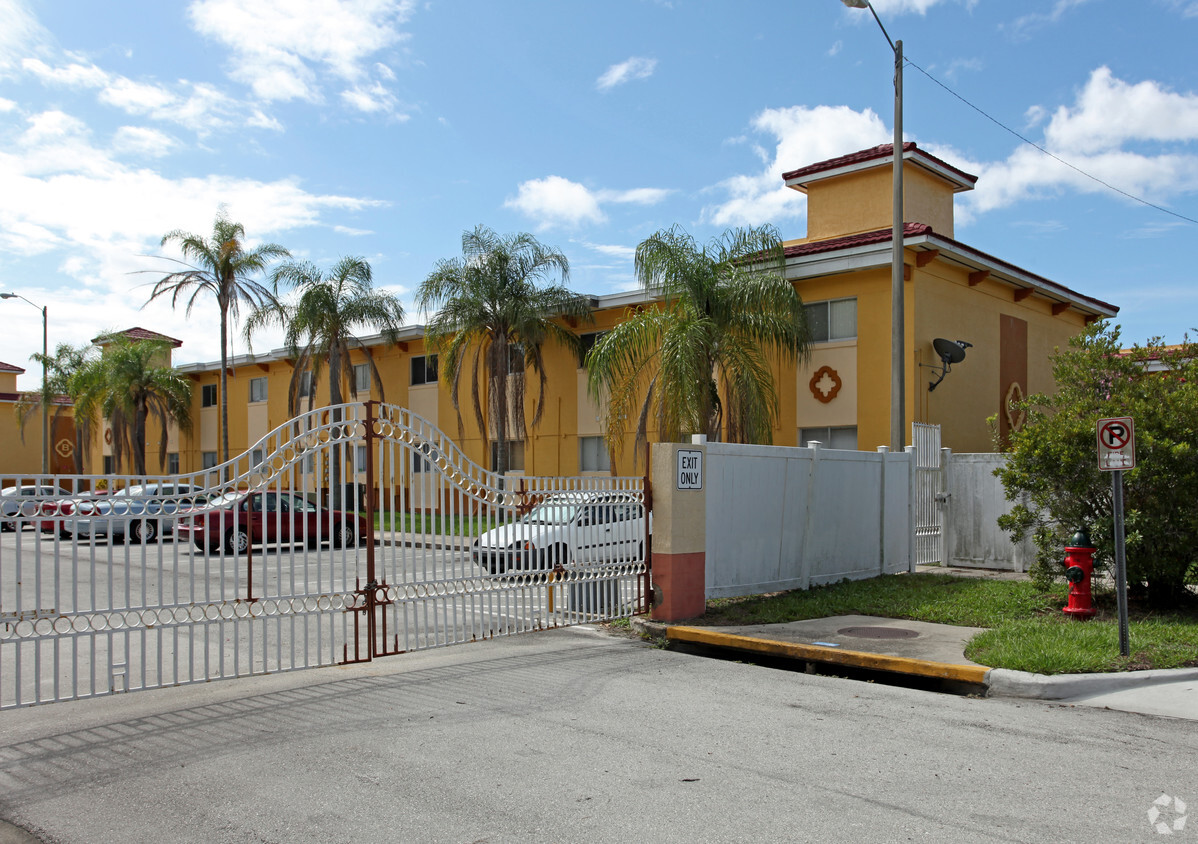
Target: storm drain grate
<point>877,632</point>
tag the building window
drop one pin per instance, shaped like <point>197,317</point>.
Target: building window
<point>305,385</point>
<point>257,457</point>
<point>208,395</point>
<point>172,463</point>
<point>588,342</point>
<point>424,370</point>
<point>844,439</point>
<point>109,466</point>
<point>258,389</point>
<point>209,459</point>
<point>360,457</point>
<point>832,320</point>
<point>422,458</point>
<point>361,378</point>
<point>515,456</point>
<point>593,455</point>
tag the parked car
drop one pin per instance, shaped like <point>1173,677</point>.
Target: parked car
<point>238,519</point>
<point>140,513</point>
<point>571,529</point>
<point>50,513</point>
<point>25,501</point>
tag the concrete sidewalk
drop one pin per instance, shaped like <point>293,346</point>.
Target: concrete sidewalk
<point>937,651</point>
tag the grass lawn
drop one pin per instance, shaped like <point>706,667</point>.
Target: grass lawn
<point>1026,630</point>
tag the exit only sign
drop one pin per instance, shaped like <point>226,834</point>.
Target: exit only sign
<point>690,469</point>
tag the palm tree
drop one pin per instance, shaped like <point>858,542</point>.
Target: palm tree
<point>319,325</point>
<point>129,385</point>
<point>701,362</point>
<point>319,328</point>
<point>490,310</point>
<point>222,266</point>
<point>63,379</point>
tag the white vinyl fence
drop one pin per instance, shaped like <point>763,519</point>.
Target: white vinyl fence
<point>788,518</point>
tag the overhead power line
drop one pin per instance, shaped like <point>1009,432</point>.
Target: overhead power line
<point>1057,158</point>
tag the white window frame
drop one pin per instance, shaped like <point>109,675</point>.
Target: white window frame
<point>597,447</point>
<point>362,378</point>
<point>258,382</point>
<point>827,306</point>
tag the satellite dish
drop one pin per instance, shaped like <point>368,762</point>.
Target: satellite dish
<point>950,352</point>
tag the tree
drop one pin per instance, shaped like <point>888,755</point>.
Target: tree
<point>1053,474</point>
<point>319,325</point>
<point>223,267</point>
<point>496,307</point>
<point>63,379</point>
<point>702,361</point>
<point>129,385</point>
<point>319,330</point>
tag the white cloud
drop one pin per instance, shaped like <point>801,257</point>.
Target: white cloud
<point>72,75</point>
<point>138,140</point>
<point>626,71</point>
<point>555,201</point>
<point>136,97</point>
<point>636,196</point>
<point>279,46</point>
<point>1116,132</point>
<point>20,32</point>
<point>7,105</point>
<point>1110,112</point>
<point>1023,27</point>
<point>71,199</point>
<point>801,136</point>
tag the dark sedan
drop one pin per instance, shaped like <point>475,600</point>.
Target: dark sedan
<point>237,520</point>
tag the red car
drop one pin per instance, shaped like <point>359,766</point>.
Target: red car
<point>238,519</point>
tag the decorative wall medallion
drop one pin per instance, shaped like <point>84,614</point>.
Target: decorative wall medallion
<point>1015,416</point>
<point>108,435</point>
<point>825,384</point>
<point>64,448</point>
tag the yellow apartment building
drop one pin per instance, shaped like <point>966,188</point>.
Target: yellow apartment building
<point>21,456</point>
<point>1012,318</point>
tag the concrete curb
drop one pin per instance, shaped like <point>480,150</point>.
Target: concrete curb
<point>975,674</point>
<point>998,682</point>
<point>1007,683</point>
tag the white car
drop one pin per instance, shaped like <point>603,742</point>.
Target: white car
<point>567,529</point>
<point>139,513</point>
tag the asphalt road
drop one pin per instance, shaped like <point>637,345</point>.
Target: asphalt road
<point>572,735</point>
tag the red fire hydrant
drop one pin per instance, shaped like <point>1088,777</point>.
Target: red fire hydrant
<point>1079,569</point>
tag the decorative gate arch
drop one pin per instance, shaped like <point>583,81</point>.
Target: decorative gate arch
<point>349,533</point>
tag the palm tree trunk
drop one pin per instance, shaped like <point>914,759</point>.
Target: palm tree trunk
<point>338,415</point>
<point>224,382</point>
<point>139,439</point>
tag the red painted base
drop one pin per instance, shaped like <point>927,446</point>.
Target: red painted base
<point>681,581</point>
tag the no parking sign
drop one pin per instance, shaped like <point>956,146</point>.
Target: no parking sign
<point>1116,444</point>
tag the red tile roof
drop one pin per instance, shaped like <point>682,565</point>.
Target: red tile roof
<point>923,229</point>
<point>137,334</point>
<point>872,154</point>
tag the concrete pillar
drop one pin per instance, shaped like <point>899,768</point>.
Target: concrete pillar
<point>679,474</point>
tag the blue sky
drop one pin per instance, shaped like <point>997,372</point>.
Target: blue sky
<point>385,128</point>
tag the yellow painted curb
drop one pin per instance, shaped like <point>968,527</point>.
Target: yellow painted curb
<point>837,656</point>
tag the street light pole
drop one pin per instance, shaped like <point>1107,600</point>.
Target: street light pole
<point>898,388</point>
<point>45,379</point>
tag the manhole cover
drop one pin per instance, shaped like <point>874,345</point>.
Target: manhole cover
<point>878,632</point>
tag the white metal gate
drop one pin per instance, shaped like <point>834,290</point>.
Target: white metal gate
<point>349,533</point>
<point>931,495</point>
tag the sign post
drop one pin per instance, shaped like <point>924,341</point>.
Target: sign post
<point>1116,452</point>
